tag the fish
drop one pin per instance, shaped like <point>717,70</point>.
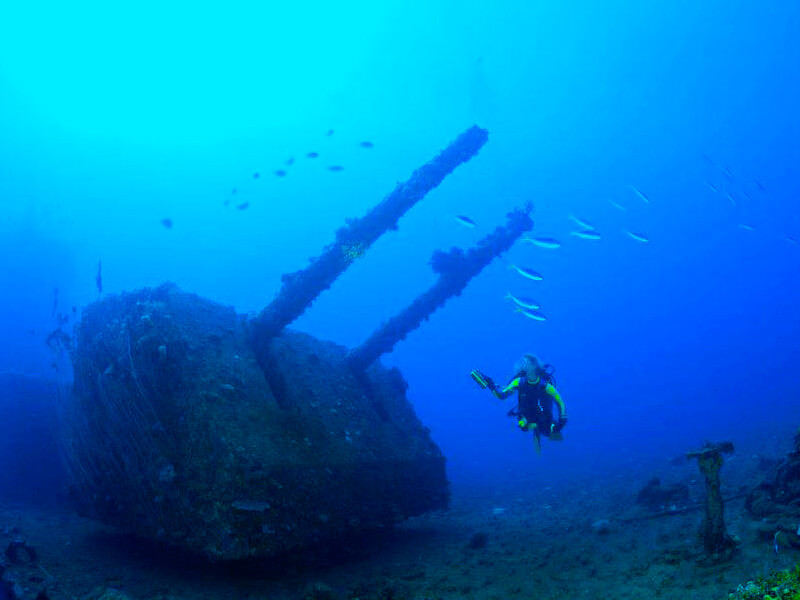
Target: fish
<point>531,314</point>
<point>98,279</point>
<point>616,205</point>
<point>466,221</point>
<point>760,185</point>
<point>587,234</point>
<point>746,227</point>
<point>312,155</point>
<point>712,187</point>
<point>527,273</point>
<point>167,223</point>
<point>289,161</point>
<point>329,133</point>
<point>792,241</point>
<point>336,168</point>
<point>243,206</point>
<point>728,195</point>
<point>366,144</point>
<point>256,175</point>
<point>638,236</point>
<point>580,222</point>
<point>543,242</point>
<point>640,194</point>
<point>280,173</point>
<point>523,302</point>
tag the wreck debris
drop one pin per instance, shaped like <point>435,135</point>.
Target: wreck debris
<point>716,541</point>
<point>455,269</point>
<point>204,450</point>
<point>237,438</point>
<point>301,288</point>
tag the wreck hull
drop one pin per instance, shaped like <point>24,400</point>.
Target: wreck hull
<point>181,434</point>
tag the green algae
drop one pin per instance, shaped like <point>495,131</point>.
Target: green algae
<point>779,585</point>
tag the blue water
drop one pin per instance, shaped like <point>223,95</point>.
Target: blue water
<point>114,117</point>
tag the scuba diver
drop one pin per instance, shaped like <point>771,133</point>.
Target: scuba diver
<point>536,393</point>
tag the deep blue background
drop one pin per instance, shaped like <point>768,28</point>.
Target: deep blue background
<point>113,119</point>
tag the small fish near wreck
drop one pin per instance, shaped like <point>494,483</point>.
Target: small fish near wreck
<point>527,273</point>
<point>639,194</point>
<point>523,302</point>
<point>587,234</point>
<point>581,223</point>
<point>637,236</point>
<point>465,221</point>
<point>543,242</point>
<point>534,315</point>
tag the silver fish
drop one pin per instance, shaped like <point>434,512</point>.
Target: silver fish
<point>587,234</point>
<point>543,242</point>
<point>617,205</point>
<point>531,314</point>
<point>527,273</point>
<point>638,236</point>
<point>523,302</point>
<point>640,194</point>
<point>580,222</point>
<point>466,221</point>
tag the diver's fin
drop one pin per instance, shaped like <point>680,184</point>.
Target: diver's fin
<point>556,436</point>
<point>537,439</point>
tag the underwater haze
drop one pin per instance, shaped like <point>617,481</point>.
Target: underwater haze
<point>658,142</point>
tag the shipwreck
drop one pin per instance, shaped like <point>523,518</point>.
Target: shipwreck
<point>237,437</point>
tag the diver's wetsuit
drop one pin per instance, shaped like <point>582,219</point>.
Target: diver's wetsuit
<point>535,404</point>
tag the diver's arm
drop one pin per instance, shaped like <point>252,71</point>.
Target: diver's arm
<point>562,409</point>
<point>508,390</point>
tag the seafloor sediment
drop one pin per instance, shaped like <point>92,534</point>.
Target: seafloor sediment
<point>539,543</point>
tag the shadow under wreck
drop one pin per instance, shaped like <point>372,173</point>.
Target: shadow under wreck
<point>237,438</point>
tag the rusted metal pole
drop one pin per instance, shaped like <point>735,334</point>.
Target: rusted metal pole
<point>455,269</point>
<point>301,287</point>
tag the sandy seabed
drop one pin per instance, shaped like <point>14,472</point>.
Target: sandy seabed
<point>540,542</point>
